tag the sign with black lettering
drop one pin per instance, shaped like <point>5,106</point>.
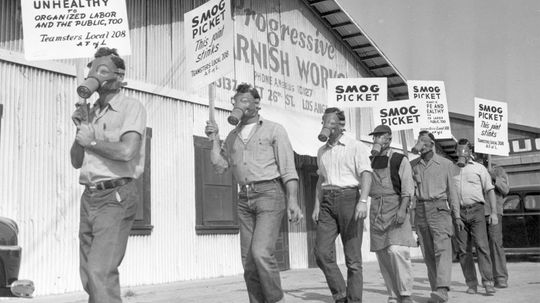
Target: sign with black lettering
<point>490,127</point>
<point>400,115</point>
<point>61,29</point>
<point>208,32</point>
<point>356,92</point>
<point>433,94</point>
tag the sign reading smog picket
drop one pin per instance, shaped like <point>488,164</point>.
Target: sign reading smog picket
<point>433,94</point>
<point>357,92</point>
<point>62,29</point>
<point>209,36</point>
<point>401,115</point>
<point>490,127</point>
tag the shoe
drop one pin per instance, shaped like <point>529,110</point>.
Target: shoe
<point>343,300</point>
<point>501,283</point>
<point>406,299</point>
<point>472,290</point>
<point>439,296</point>
<point>490,290</point>
<point>392,300</point>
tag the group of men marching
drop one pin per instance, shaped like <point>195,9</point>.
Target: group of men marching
<point>459,201</point>
<point>109,150</point>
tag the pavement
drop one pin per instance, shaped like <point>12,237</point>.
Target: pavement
<point>308,285</point>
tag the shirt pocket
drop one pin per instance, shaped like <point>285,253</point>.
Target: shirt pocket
<point>264,150</point>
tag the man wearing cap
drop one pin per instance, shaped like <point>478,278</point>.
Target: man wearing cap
<point>390,228</point>
<point>472,182</point>
<point>341,205</point>
<point>435,207</point>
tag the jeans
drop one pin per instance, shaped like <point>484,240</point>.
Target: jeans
<point>105,222</point>
<point>336,217</point>
<point>498,258</point>
<point>260,211</point>
<point>434,228</point>
<point>475,229</point>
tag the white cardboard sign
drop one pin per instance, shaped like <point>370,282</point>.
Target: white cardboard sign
<point>401,115</point>
<point>357,92</point>
<point>65,29</point>
<point>208,42</point>
<point>433,94</point>
<point>490,127</point>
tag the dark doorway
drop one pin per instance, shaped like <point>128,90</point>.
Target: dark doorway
<point>309,173</point>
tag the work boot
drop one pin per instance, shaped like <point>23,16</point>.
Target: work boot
<point>490,290</point>
<point>439,296</point>
<point>392,300</point>
<point>342,300</point>
<point>501,283</point>
<point>472,290</point>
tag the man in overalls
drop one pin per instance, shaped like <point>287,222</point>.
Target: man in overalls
<point>390,228</point>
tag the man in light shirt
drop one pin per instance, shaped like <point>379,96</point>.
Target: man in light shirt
<point>341,205</point>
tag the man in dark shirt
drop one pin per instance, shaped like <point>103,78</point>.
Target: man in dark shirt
<point>262,160</point>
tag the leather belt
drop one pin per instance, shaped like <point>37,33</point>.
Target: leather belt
<point>467,206</point>
<point>252,185</point>
<point>337,189</point>
<point>108,184</point>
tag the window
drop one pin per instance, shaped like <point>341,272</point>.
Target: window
<point>215,195</point>
<point>142,224</point>
<point>532,202</point>
<point>511,203</point>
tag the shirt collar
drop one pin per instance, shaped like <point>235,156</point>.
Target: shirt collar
<point>436,158</point>
<point>239,127</point>
<point>343,140</point>
<point>113,104</point>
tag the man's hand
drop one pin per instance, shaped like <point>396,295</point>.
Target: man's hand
<point>211,129</point>
<point>360,212</point>
<point>80,114</point>
<point>85,135</point>
<point>294,212</point>
<point>315,215</point>
<point>459,224</point>
<point>493,219</point>
<point>400,216</point>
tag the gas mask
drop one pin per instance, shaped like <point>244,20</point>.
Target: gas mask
<point>464,154</point>
<point>235,116</point>
<point>245,106</point>
<point>380,144</point>
<point>103,73</point>
<point>423,145</point>
<point>331,124</point>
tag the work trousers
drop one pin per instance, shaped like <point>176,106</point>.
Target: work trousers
<point>396,269</point>
<point>475,229</point>
<point>498,257</point>
<point>260,211</point>
<point>106,218</point>
<point>336,217</point>
<point>434,228</point>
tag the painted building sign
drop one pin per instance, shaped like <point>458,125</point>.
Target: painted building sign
<point>287,57</point>
<point>61,29</point>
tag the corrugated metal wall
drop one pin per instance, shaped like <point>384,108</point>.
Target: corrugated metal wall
<point>39,188</point>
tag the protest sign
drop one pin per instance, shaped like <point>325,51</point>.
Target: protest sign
<point>208,32</point>
<point>400,115</point>
<point>433,94</point>
<point>55,29</point>
<point>490,127</point>
<point>357,92</point>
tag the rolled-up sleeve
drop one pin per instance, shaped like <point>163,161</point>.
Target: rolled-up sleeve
<point>361,158</point>
<point>284,155</point>
<point>405,174</point>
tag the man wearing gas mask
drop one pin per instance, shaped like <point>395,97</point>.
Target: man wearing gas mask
<point>109,150</point>
<point>341,205</point>
<point>472,181</point>
<point>436,205</point>
<point>390,228</point>
<point>262,161</point>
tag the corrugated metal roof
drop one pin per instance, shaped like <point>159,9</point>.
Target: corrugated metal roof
<point>356,39</point>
